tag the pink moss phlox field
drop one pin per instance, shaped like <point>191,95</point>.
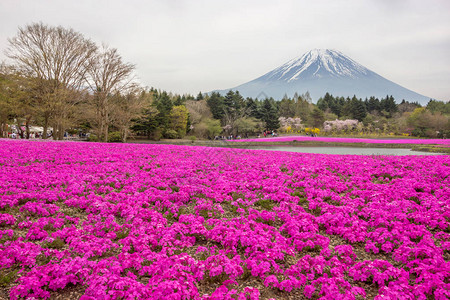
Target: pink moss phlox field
<point>444,142</point>
<point>125,221</point>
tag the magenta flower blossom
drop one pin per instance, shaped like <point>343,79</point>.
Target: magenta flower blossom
<point>124,221</point>
<point>444,142</point>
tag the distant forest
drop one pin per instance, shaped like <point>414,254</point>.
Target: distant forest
<point>211,115</point>
<point>69,86</point>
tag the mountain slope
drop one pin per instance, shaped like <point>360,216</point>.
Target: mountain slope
<point>321,70</point>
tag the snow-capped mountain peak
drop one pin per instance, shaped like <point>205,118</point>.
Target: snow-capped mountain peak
<point>320,71</point>
<point>318,63</point>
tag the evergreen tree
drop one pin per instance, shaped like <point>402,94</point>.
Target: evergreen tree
<point>164,106</point>
<point>324,103</point>
<point>233,101</point>
<point>287,108</point>
<point>373,104</point>
<point>388,105</point>
<point>439,106</point>
<point>358,109</point>
<point>216,105</point>
<point>228,101</point>
<point>269,115</point>
<point>179,100</point>
<point>317,117</point>
<point>303,107</point>
<point>147,124</point>
<point>335,106</point>
<point>253,108</point>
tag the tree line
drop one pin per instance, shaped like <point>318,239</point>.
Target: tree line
<point>61,80</point>
<point>385,115</point>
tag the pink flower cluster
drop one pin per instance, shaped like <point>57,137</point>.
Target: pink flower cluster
<point>445,142</point>
<point>125,221</point>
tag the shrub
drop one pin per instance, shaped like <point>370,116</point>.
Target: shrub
<point>156,135</point>
<point>92,138</point>
<point>115,137</point>
<point>171,134</point>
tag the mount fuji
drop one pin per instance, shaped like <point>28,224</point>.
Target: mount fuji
<point>320,71</point>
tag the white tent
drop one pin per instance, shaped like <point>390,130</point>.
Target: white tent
<point>39,129</point>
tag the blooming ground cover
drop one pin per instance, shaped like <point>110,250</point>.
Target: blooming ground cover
<point>121,221</point>
<point>443,142</point>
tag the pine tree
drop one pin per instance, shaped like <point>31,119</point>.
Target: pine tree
<point>164,106</point>
<point>317,117</point>
<point>373,104</point>
<point>179,100</point>
<point>253,108</point>
<point>216,105</point>
<point>269,115</point>
<point>358,109</point>
<point>388,105</point>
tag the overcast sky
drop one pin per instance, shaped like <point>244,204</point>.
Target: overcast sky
<point>187,46</point>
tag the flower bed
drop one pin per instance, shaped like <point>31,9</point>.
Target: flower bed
<point>120,221</point>
<point>445,142</point>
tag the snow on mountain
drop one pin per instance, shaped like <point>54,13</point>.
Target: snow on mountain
<point>318,63</point>
<point>321,70</point>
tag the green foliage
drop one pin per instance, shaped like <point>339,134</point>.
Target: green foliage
<point>92,138</point>
<point>328,102</point>
<point>171,134</point>
<point>213,128</point>
<point>237,195</point>
<point>174,188</point>
<point>265,204</point>
<point>7,277</point>
<point>426,123</point>
<point>157,134</point>
<point>72,131</point>
<point>233,102</point>
<point>246,125</point>
<point>354,108</point>
<point>388,105</point>
<point>439,106</point>
<point>178,119</point>
<point>164,106</point>
<point>57,243</point>
<point>114,137</point>
<point>269,115</point>
<point>358,109</point>
<point>419,132</point>
<point>253,107</point>
<point>122,234</point>
<point>317,118</point>
<point>147,124</point>
<point>209,214</point>
<point>373,104</point>
<point>216,104</point>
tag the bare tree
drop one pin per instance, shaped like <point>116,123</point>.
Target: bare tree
<point>198,110</point>
<point>107,76</point>
<point>126,108</point>
<point>57,57</point>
